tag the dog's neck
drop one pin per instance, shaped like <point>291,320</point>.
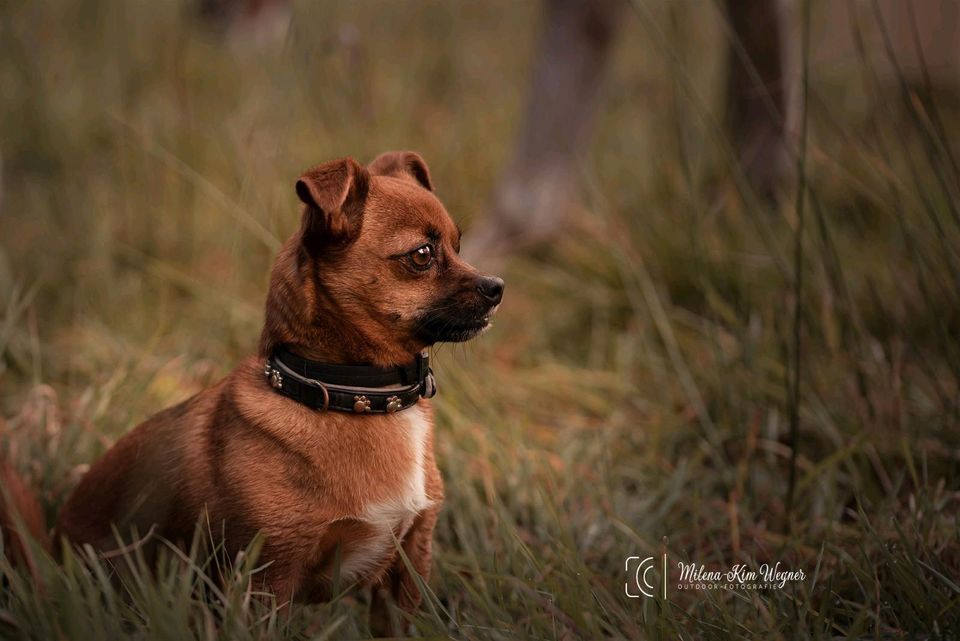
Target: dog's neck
<point>350,352</point>
<point>338,345</point>
<point>328,339</point>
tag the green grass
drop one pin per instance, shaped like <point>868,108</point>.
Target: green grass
<point>635,385</point>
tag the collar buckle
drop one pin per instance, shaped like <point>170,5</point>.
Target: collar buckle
<point>428,384</point>
<point>428,388</point>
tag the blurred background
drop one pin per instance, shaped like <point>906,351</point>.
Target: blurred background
<point>731,239</point>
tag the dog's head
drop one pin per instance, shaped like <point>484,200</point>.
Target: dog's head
<point>374,274</point>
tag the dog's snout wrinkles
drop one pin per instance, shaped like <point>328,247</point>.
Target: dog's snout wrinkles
<point>491,288</point>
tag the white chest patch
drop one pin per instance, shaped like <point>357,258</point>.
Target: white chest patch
<point>396,514</point>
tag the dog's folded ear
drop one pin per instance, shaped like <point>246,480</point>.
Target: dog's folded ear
<point>402,164</point>
<point>334,194</point>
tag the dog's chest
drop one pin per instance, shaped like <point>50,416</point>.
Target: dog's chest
<point>391,518</point>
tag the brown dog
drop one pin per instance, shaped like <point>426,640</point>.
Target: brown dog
<point>325,471</point>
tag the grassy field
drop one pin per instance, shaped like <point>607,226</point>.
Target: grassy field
<point>636,384</point>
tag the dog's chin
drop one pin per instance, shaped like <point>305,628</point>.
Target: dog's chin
<point>438,329</point>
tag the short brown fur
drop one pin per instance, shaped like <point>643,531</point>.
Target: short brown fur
<point>318,485</point>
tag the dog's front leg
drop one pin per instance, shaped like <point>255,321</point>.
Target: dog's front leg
<point>280,581</point>
<point>400,585</point>
<point>417,547</point>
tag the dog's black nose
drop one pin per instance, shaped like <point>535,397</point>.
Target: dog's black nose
<point>491,288</point>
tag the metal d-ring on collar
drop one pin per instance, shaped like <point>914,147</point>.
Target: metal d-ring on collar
<point>360,389</point>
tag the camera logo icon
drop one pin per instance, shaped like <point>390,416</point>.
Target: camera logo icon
<point>640,577</point>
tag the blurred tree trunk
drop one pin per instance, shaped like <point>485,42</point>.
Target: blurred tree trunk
<point>257,22</point>
<point>925,41</point>
<point>757,94</point>
<point>539,186</point>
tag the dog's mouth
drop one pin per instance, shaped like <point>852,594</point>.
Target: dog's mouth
<point>448,328</point>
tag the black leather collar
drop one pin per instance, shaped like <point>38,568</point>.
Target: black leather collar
<point>361,389</point>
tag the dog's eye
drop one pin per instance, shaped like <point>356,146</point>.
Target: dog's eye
<point>422,257</point>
